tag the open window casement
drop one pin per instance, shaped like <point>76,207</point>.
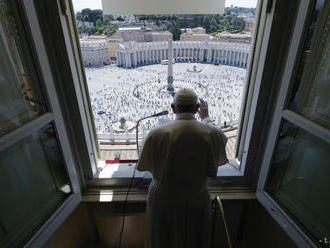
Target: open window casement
<point>238,172</point>
<point>39,184</point>
<point>294,180</point>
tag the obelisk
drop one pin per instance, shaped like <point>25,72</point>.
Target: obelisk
<point>170,66</point>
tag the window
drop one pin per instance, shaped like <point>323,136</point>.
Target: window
<point>36,166</point>
<point>47,131</point>
<point>293,184</point>
<point>211,54</point>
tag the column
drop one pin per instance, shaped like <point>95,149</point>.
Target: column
<point>225,57</point>
<point>129,60</point>
<point>117,58</point>
<point>144,57</point>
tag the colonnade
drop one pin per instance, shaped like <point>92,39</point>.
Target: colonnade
<point>137,54</point>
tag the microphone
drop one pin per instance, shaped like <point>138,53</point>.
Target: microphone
<point>160,113</point>
<point>165,112</point>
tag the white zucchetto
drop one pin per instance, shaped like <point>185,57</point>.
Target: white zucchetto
<point>185,97</point>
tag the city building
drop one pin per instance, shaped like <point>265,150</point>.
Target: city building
<point>112,47</point>
<point>136,54</point>
<point>198,30</point>
<point>131,34</point>
<point>194,34</point>
<point>127,18</point>
<point>249,24</point>
<point>88,24</point>
<point>161,36</point>
<point>140,34</point>
<point>237,38</point>
<point>95,52</point>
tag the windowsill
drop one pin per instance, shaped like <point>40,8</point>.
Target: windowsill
<point>135,195</point>
<point>126,170</point>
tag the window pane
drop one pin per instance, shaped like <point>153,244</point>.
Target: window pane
<point>135,63</point>
<point>33,180</point>
<point>299,179</point>
<point>312,86</point>
<point>21,98</point>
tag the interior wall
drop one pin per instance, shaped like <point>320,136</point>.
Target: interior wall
<point>76,232</point>
<point>99,225</point>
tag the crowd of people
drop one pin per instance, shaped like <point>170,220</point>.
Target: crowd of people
<point>135,93</point>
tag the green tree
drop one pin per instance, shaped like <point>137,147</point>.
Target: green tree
<point>99,23</point>
<point>107,19</point>
<point>110,29</point>
<point>95,15</point>
<point>85,13</point>
<point>120,19</point>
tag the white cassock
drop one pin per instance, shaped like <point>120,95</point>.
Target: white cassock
<point>181,156</point>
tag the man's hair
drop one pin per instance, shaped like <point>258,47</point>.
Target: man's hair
<point>186,108</point>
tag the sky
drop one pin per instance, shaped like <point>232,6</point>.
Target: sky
<point>96,4</point>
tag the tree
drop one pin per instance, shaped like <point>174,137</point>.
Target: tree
<point>107,19</point>
<point>111,29</point>
<point>85,14</point>
<point>95,15</point>
<point>120,19</point>
<point>79,17</point>
<point>99,23</point>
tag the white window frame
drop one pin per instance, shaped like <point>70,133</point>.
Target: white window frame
<point>54,115</point>
<point>247,174</point>
<point>233,177</point>
<point>281,114</point>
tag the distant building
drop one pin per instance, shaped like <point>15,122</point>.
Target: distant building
<point>88,24</point>
<point>198,30</point>
<point>128,18</point>
<point>194,37</point>
<point>237,38</point>
<point>194,34</point>
<point>112,47</point>
<point>128,34</point>
<point>134,54</point>
<point>161,36</point>
<point>95,52</point>
<point>249,24</point>
<point>140,34</point>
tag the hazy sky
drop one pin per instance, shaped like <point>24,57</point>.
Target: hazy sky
<point>96,4</point>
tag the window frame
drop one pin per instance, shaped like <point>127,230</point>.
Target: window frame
<point>25,13</point>
<point>254,121</point>
<point>240,177</point>
<point>282,112</point>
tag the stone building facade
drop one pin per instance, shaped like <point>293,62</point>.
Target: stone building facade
<point>133,54</point>
<point>140,34</point>
<point>95,52</point>
<point>194,34</point>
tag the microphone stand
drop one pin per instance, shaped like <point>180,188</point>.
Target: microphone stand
<point>137,133</point>
<point>133,176</point>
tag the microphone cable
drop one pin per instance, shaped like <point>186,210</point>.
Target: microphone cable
<point>134,172</point>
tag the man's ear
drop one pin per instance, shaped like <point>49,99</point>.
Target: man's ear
<point>173,108</point>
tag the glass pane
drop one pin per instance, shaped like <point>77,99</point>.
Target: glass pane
<point>32,186</point>
<point>312,85</point>
<point>21,98</point>
<point>135,63</point>
<point>299,179</point>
